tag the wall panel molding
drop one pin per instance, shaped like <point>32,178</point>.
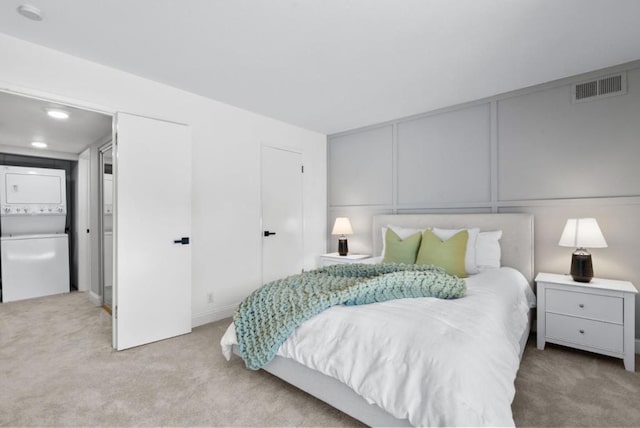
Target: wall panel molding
<point>494,157</point>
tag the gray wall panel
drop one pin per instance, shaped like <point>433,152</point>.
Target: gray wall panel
<point>445,158</point>
<point>547,156</point>
<point>360,170</point>
<point>551,148</point>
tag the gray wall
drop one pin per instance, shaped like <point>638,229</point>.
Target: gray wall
<point>531,150</point>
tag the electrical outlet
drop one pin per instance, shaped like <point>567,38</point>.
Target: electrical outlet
<point>210,297</point>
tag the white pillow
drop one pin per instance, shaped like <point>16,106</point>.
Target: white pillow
<point>488,250</point>
<point>470,265</point>
<point>402,232</point>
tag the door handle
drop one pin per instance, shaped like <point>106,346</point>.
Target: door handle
<point>183,241</point>
<point>267,233</point>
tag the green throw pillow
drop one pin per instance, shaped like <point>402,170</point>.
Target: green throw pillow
<point>447,254</point>
<point>397,250</point>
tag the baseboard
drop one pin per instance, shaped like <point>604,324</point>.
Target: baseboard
<point>215,315</point>
<point>196,320</point>
<point>95,298</point>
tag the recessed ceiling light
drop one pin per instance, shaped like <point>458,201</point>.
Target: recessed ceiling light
<point>39,144</point>
<point>57,113</point>
<point>30,12</point>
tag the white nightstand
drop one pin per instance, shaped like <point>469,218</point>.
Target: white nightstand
<point>337,259</point>
<point>596,316</point>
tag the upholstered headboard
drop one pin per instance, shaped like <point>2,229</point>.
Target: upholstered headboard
<point>517,233</point>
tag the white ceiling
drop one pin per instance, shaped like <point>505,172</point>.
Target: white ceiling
<point>332,65</point>
<point>23,120</point>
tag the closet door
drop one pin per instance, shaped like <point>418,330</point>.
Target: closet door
<point>282,218</point>
<point>152,226</point>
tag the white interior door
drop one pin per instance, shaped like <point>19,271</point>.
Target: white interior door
<point>152,209</point>
<point>83,247</point>
<point>282,227</point>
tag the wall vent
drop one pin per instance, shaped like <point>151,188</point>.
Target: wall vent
<point>601,87</point>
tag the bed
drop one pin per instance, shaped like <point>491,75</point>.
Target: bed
<point>488,354</point>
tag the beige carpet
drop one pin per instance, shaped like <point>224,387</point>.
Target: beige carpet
<point>57,368</point>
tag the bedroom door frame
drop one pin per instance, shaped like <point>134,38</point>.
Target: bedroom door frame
<point>90,259</point>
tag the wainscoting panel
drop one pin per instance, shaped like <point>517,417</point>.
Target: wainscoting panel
<point>361,171</point>
<point>445,158</point>
<point>551,148</point>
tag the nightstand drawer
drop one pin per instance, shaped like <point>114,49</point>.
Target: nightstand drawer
<point>595,334</point>
<point>593,306</point>
<point>336,262</point>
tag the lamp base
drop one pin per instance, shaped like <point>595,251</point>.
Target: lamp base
<point>581,266</point>
<point>343,248</point>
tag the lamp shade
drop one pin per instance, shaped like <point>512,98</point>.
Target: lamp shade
<point>582,233</point>
<point>342,226</point>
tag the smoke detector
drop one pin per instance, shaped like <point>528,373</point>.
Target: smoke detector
<point>30,12</point>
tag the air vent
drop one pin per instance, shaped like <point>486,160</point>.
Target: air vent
<point>586,90</point>
<point>610,85</point>
<point>602,87</point>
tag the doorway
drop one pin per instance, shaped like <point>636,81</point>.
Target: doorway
<point>149,201</point>
<point>43,134</point>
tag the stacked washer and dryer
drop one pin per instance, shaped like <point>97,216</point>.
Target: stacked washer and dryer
<point>34,245</point>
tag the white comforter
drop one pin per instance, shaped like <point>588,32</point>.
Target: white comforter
<point>434,362</point>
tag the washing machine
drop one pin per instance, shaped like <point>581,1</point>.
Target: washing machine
<point>34,266</point>
<point>33,244</point>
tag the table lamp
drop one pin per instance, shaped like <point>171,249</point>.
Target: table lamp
<point>342,227</point>
<point>581,233</point>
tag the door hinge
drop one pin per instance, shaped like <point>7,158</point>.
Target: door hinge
<point>115,312</point>
<point>303,169</point>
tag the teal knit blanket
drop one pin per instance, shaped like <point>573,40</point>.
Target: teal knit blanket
<point>266,318</point>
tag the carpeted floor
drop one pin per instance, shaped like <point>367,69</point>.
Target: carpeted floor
<point>57,368</point>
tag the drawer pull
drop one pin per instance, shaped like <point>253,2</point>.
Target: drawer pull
<point>581,305</point>
<point>581,331</point>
